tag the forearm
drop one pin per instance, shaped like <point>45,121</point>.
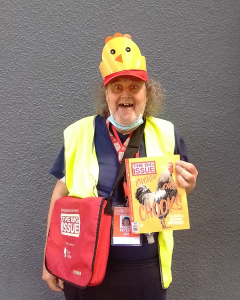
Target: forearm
<point>59,191</point>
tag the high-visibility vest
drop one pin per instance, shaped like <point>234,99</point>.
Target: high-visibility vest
<point>82,169</point>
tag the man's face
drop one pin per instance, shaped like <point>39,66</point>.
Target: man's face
<point>126,98</point>
<point>126,222</point>
<point>170,168</point>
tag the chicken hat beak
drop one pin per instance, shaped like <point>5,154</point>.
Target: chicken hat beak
<point>121,56</point>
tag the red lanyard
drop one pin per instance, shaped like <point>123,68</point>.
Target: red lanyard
<point>120,148</point>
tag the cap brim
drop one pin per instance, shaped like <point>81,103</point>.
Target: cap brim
<point>140,74</point>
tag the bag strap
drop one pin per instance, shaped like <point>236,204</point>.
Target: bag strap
<point>130,152</point>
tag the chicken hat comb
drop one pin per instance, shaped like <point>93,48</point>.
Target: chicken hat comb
<point>121,56</point>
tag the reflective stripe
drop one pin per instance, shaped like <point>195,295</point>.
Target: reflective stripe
<point>82,170</point>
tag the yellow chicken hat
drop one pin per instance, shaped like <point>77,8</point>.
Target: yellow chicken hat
<point>121,56</point>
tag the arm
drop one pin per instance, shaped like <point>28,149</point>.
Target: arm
<point>187,175</point>
<point>59,191</point>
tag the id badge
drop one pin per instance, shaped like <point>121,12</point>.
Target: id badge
<point>122,234</point>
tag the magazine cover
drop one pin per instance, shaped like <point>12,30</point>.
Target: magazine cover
<point>156,201</point>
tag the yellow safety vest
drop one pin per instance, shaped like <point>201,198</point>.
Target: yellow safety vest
<point>82,169</point>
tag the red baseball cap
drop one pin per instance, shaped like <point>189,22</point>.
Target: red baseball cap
<point>140,74</point>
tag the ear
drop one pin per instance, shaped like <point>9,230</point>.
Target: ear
<point>146,93</point>
<point>106,94</point>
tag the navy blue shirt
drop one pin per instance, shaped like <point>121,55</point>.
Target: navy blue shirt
<point>108,169</point>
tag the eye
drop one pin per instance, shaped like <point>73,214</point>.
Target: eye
<point>128,49</point>
<point>134,87</point>
<point>117,88</point>
<point>112,51</point>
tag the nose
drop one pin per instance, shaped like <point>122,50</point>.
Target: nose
<point>125,94</point>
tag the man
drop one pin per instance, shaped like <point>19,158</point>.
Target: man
<point>128,99</point>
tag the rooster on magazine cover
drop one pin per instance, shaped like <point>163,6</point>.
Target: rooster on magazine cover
<point>146,197</point>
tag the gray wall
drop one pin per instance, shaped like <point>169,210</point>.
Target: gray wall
<point>49,57</point>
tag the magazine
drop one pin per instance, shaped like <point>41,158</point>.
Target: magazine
<point>156,201</point>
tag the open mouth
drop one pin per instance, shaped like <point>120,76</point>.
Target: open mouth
<point>125,105</point>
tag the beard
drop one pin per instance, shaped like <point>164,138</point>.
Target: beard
<point>125,121</point>
<point>126,118</point>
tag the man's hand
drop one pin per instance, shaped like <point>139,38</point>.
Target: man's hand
<point>54,283</point>
<point>187,175</point>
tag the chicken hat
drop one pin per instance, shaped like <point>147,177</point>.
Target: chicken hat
<point>121,56</point>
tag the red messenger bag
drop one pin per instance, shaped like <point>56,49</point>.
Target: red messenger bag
<point>78,241</point>
<point>79,234</point>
